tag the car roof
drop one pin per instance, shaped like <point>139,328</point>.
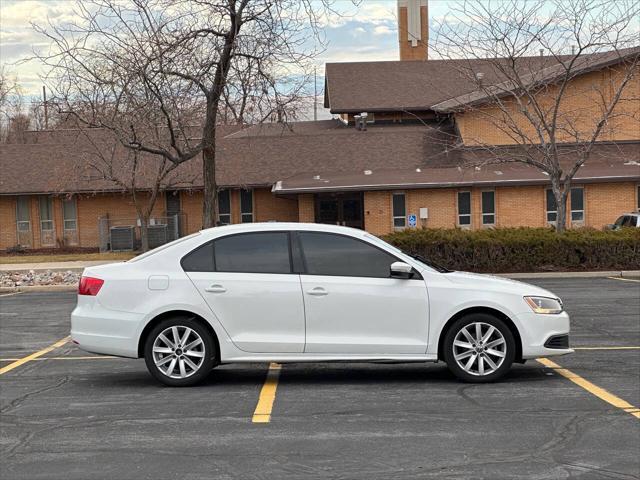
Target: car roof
<point>279,226</point>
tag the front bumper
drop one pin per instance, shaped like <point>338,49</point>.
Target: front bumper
<point>97,330</point>
<point>536,330</point>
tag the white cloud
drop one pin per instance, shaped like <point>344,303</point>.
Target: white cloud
<point>383,30</point>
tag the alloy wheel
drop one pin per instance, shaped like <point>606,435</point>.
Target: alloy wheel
<point>178,351</point>
<point>479,348</point>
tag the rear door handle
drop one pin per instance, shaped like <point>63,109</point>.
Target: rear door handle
<point>317,292</point>
<point>215,289</point>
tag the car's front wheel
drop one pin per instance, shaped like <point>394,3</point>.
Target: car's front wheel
<point>179,352</point>
<point>479,348</point>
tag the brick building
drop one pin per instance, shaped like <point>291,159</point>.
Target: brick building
<point>415,154</point>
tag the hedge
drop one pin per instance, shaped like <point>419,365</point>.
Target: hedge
<point>523,249</point>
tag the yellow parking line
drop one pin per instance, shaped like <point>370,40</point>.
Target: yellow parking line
<point>606,348</point>
<point>262,413</point>
<point>33,356</point>
<point>624,279</point>
<point>599,392</point>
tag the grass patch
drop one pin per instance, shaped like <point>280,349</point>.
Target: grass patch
<point>64,257</point>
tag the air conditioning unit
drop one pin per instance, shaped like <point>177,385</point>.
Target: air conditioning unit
<point>157,235</point>
<point>121,238</point>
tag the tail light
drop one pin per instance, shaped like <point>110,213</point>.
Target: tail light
<point>90,286</point>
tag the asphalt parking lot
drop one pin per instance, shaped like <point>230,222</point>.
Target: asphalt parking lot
<point>71,415</point>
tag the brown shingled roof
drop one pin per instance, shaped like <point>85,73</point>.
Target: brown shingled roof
<point>409,85</point>
<point>550,74</point>
<point>258,156</point>
<point>608,162</point>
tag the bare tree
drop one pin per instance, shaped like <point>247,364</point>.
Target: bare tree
<point>177,55</point>
<point>14,122</point>
<point>525,59</point>
<point>143,176</point>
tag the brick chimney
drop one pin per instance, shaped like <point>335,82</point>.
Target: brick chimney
<point>413,29</point>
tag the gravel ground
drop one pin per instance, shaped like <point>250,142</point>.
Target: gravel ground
<point>40,277</point>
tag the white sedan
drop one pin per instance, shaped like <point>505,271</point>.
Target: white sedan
<point>295,292</point>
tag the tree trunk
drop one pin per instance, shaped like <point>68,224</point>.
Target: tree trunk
<point>560,193</point>
<point>210,203</point>
<point>144,232</point>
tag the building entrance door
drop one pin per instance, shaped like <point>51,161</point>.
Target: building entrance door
<point>340,209</point>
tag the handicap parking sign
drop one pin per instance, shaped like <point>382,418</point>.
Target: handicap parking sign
<point>413,220</point>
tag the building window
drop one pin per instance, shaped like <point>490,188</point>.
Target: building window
<point>552,207</point>
<point>224,207</point>
<point>46,214</point>
<point>70,213</point>
<point>464,209</point>
<point>23,214</point>
<point>246,206</point>
<point>577,205</point>
<point>488,207</point>
<point>638,198</point>
<point>399,210</point>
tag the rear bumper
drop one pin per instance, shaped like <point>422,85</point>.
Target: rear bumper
<point>537,329</point>
<point>106,332</point>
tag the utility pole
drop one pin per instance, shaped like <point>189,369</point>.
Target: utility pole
<point>46,111</point>
<point>315,95</point>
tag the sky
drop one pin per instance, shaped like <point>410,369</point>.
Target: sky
<point>364,32</point>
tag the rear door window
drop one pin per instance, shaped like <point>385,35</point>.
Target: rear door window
<point>259,252</point>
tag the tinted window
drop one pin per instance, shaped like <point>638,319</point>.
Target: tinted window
<point>263,252</point>
<point>199,260</point>
<point>488,208</point>
<point>246,206</point>
<point>399,213</point>
<point>464,208</point>
<point>327,254</point>
<point>224,207</point>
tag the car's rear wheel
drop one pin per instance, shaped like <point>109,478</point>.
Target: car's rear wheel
<point>179,352</point>
<point>479,348</point>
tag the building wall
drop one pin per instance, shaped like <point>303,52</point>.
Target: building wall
<point>581,110</point>
<point>515,206</point>
<point>521,206</point>
<point>306,208</point>
<point>8,231</point>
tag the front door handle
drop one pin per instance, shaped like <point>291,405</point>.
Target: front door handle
<point>317,292</point>
<point>215,288</point>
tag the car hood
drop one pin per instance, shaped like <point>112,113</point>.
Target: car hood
<point>493,282</point>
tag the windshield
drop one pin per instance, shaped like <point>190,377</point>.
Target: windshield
<point>419,258</point>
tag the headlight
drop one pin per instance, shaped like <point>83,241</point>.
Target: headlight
<point>544,304</point>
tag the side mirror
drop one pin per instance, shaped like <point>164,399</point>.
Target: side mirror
<point>401,270</point>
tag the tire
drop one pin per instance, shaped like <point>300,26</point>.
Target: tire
<point>479,362</point>
<point>170,363</point>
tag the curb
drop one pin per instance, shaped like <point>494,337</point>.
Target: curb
<point>39,288</point>
<point>599,274</point>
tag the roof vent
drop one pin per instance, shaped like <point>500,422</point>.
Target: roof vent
<point>368,172</point>
<point>497,172</point>
<point>361,121</point>
<point>479,78</point>
<point>418,170</point>
<point>316,177</point>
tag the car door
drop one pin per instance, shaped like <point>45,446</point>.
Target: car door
<point>352,305</point>
<point>247,281</point>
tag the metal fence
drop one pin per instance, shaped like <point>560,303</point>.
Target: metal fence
<point>123,234</point>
